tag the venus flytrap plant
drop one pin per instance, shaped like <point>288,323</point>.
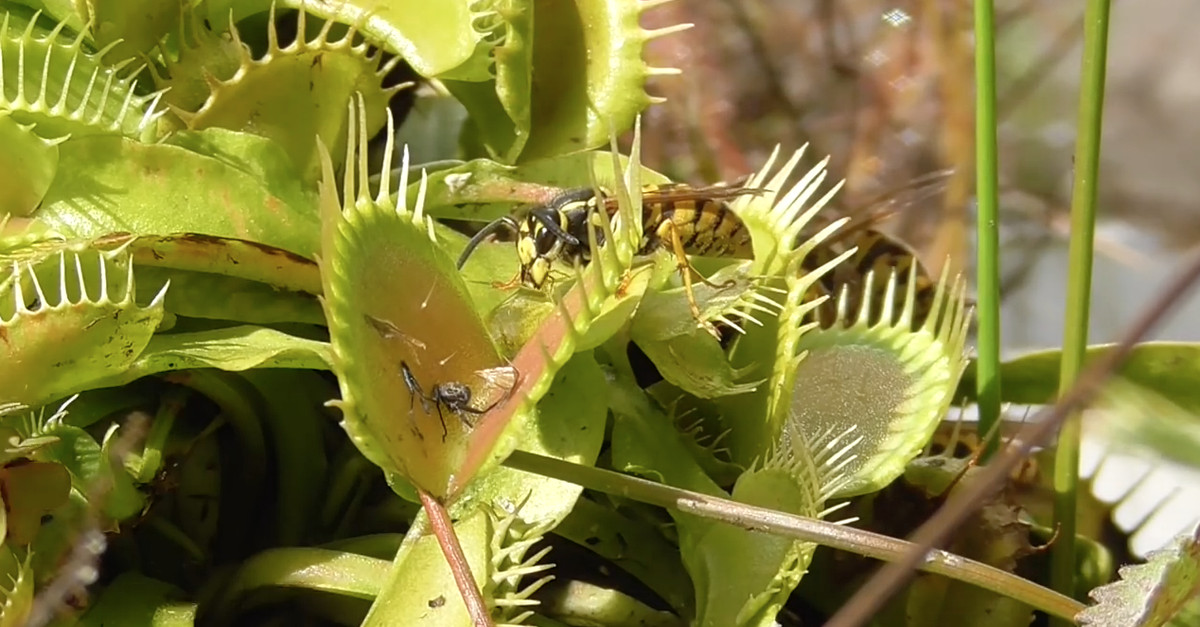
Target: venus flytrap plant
<point>227,192</point>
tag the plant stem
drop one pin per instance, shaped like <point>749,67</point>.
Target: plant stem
<point>988,228</point>
<point>839,537</point>
<point>1079,284</point>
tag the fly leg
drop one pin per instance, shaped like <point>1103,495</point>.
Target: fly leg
<point>442,420</point>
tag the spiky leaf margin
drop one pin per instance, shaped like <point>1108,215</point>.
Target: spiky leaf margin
<point>60,339</point>
<point>294,94</point>
<point>1156,593</point>
<point>16,588</point>
<point>57,85</point>
<point>199,52</point>
<point>438,39</point>
<point>592,78</point>
<point>776,217</point>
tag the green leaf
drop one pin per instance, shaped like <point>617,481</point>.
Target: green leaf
<point>338,572</point>
<point>1167,368</point>
<point>176,191</point>
<point>743,577</point>
<point>686,355</point>
<point>420,590</point>
<point>249,302</point>
<point>231,349</point>
<point>30,163</point>
<point>1152,594</point>
<point>136,600</point>
<point>225,256</point>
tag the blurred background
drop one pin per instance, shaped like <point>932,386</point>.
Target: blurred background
<point>885,88</point>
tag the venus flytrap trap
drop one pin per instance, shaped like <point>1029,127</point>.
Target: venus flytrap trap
<point>261,96</point>
<point>17,588</point>
<point>390,347</point>
<point>65,89</point>
<point>892,383</point>
<point>72,322</point>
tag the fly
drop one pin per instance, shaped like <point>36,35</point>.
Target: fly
<point>496,385</point>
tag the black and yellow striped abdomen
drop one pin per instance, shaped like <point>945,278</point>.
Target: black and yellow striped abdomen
<point>878,253</point>
<point>707,228</point>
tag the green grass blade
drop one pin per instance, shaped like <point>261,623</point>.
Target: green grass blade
<point>1079,280</point>
<point>988,251</point>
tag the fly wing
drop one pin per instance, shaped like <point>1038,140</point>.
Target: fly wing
<point>492,386</point>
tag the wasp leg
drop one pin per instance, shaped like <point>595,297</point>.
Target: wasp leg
<point>686,270</point>
<point>510,284</point>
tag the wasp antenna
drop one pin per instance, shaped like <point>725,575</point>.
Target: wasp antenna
<point>487,230</point>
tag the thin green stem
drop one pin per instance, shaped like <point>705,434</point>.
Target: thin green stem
<point>988,251</point>
<point>1079,283</point>
<point>839,537</point>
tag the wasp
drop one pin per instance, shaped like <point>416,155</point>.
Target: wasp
<point>691,220</point>
<point>876,252</point>
<point>697,220</point>
<point>457,397</point>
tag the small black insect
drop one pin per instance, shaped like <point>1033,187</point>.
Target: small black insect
<point>453,395</point>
